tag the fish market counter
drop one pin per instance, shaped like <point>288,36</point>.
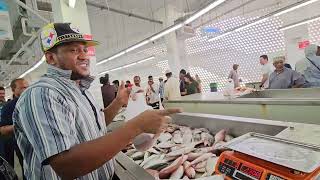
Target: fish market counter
<point>126,168</point>
<point>293,105</point>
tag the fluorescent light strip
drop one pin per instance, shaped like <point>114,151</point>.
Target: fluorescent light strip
<point>203,11</point>
<point>128,65</point>
<point>152,38</point>
<point>295,7</point>
<point>220,36</point>
<point>251,24</point>
<point>72,3</point>
<point>145,60</point>
<point>264,18</point>
<point>306,21</point>
<point>43,59</point>
<point>137,46</point>
<point>166,31</point>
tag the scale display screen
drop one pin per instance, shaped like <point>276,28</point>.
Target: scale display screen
<point>251,172</point>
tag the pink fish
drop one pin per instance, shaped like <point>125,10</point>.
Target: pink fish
<point>164,173</point>
<point>188,170</point>
<point>193,156</point>
<point>205,149</point>
<point>201,170</point>
<point>201,164</point>
<point>152,172</point>
<point>201,158</point>
<point>220,136</point>
<point>185,178</point>
<point>178,173</point>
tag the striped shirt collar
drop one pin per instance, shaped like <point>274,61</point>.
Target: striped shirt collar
<point>57,72</point>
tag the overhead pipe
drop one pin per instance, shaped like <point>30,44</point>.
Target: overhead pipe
<point>32,11</point>
<point>24,26</point>
<point>97,5</point>
<point>32,38</point>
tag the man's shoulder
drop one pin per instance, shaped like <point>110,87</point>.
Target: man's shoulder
<point>10,104</point>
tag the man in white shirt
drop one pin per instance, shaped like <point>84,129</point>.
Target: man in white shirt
<point>266,69</point>
<point>152,93</point>
<point>172,87</point>
<point>136,88</point>
<point>161,88</point>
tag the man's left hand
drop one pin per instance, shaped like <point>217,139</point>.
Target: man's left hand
<point>123,94</point>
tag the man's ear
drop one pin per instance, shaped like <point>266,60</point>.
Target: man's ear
<point>50,58</point>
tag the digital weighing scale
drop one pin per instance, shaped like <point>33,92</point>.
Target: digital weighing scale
<point>256,156</point>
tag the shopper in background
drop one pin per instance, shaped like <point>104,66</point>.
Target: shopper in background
<point>152,94</point>
<point>234,75</point>
<point>136,88</point>
<point>310,66</point>
<point>128,84</point>
<point>108,91</point>
<point>116,85</point>
<point>197,78</point>
<point>182,82</point>
<point>287,65</point>
<point>284,78</point>
<point>190,84</point>
<point>171,88</point>
<point>60,129</point>
<point>18,86</point>
<point>161,88</point>
<point>2,96</point>
<point>302,64</point>
<point>266,69</point>
<point>2,102</point>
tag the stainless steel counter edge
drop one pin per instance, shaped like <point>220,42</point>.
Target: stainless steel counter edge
<point>306,133</point>
<point>266,101</point>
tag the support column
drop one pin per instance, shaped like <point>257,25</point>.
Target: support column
<point>292,38</point>
<point>175,47</point>
<point>78,16</point>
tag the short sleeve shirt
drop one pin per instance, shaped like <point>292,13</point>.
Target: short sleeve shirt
<point>153,96</point>
<point>286,79</point>
<point>191,88</point>
<point>267,69</point>
<point>171,89</point>
<point>52,116</point>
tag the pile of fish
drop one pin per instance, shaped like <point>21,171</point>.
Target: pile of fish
<point>182,153</point>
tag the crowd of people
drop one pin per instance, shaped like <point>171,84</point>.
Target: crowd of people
<point>155,92</point>
<point>280,75</point>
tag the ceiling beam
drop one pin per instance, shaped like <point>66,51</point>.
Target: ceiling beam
<point>97,5</point>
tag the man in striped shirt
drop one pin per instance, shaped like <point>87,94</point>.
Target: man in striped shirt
<point>61,131</point>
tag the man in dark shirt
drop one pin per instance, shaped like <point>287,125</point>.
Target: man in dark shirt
<point>2,102</point>
<point>182,74</point>
<point>108,91</point>
<point>6,124</point>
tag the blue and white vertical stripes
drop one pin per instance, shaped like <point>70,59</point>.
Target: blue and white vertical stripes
<point>52,116</point>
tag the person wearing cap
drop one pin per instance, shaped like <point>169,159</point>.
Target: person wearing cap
<point>60,129</point>
<point>172,87</point>
<point>284,78</point>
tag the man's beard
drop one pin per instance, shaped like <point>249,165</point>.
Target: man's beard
<point>77,76</point>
